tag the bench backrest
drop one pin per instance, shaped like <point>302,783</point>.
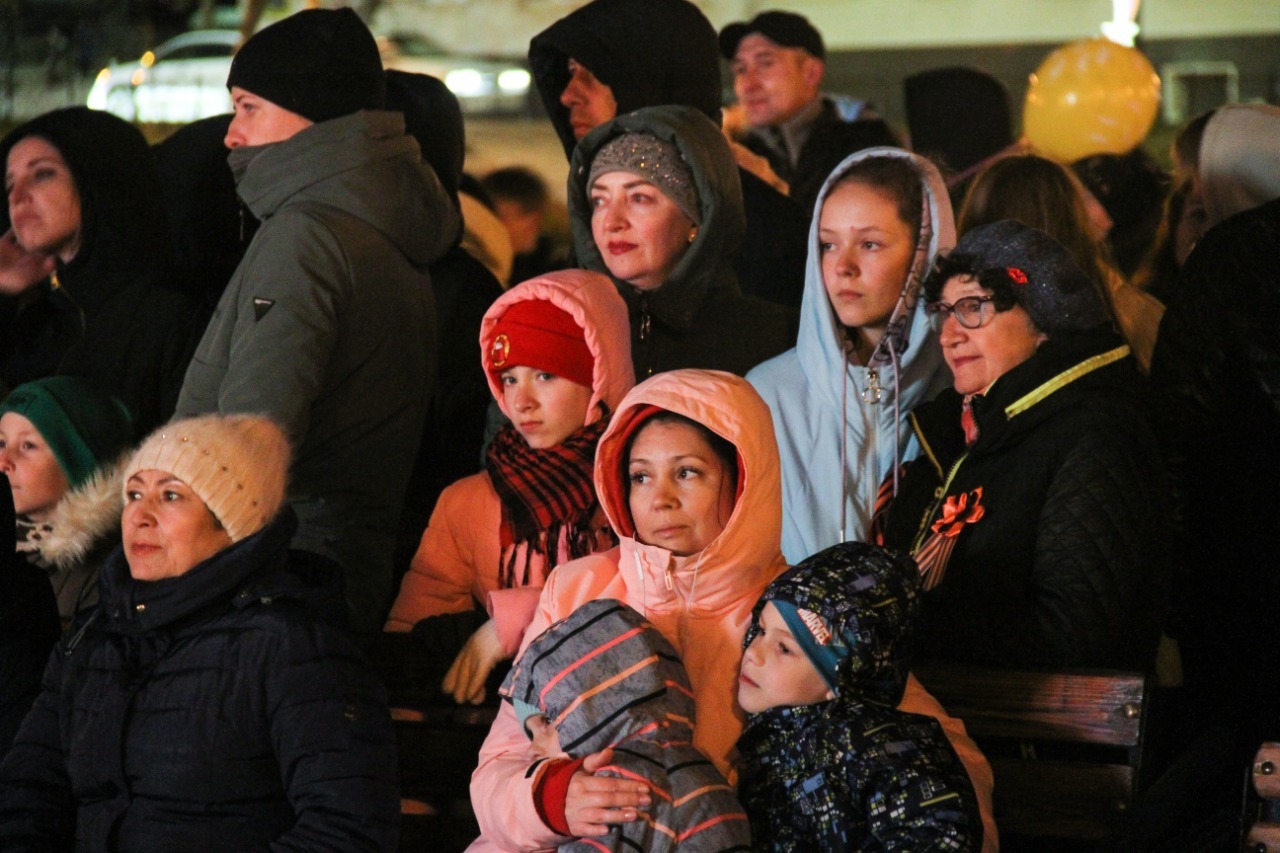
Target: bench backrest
<point>1066,748</point>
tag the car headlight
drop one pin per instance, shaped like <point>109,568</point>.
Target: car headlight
<point>514,81</point>
<point>465,82</point>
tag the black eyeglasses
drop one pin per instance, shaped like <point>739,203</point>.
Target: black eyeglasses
<point>972,312</point>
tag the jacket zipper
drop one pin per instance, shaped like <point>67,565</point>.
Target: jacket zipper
<point>645,322</point>
<point>938,495</point>
<point>644,316</point>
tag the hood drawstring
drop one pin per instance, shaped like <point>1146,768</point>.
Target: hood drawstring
<point>844,441</point>
<point>644,591</point>
<point>873,395</point>
<point>897,415</point>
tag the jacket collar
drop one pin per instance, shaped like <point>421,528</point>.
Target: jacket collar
<point>240,574</point>
<point>1023,396</point>
<point>365,165</point>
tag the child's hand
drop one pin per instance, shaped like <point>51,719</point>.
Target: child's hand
<point>465,679</point>
<point>593,802</point>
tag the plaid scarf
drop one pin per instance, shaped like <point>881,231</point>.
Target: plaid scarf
<point>544,493</point>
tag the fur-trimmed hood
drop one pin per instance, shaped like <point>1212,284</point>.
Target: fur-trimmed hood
<point>83,519</point>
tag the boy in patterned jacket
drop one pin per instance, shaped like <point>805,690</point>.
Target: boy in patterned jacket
<point>829,763</point>
<point>604,678</point>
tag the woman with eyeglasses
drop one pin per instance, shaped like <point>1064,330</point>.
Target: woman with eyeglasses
<point>1037,510</point>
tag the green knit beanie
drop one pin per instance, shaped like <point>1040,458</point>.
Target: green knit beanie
<point>83,425</point>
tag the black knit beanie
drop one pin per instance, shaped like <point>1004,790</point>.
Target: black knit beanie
<point>318,63</point>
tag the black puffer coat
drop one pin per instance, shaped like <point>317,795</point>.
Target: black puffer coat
<point>206,712</point>
<point>1067,564</point>
<point>665,52</point>
<point>109,315</point>
<point>28,625</point>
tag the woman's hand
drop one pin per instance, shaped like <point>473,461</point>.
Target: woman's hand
<point>465,679</point>
<point>593,802</point>
<point>21,270</point>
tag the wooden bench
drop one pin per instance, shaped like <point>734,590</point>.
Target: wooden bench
<point>438,742</point>
<point>438,749</point>
<point>1066,748</point>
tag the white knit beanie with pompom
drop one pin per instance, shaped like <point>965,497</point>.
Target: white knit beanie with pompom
<point>237,464</point>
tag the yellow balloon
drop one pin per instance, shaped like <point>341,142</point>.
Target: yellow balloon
<point>1090,97</point>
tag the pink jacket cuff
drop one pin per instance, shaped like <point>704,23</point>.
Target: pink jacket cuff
<point>512,610</point>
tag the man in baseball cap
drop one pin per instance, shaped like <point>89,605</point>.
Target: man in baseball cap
<point>778,61</point>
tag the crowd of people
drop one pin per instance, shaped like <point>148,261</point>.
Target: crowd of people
<point>692,493</point>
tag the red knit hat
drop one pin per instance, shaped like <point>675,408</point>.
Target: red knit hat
<point>535,333</point>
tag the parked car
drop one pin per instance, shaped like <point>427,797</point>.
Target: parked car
<point>185,78</point>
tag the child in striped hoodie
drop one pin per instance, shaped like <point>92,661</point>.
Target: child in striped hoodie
<point>605,679</point>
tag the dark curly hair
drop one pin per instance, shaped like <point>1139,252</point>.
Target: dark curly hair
<point>945,267</point>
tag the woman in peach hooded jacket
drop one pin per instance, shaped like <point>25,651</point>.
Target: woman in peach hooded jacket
<point>550,347</point>
<point>701,602</point>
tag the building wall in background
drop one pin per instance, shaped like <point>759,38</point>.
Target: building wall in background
<point>867,24</point>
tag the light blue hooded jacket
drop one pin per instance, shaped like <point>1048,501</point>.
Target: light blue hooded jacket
<point>836,442</point>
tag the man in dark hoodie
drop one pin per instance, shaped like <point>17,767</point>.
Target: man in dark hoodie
<point>612,57</point>
<point>328,324</point>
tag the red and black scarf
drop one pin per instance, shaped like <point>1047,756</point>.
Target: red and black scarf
<point>544,493</point>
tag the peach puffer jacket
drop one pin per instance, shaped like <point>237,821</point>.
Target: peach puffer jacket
<point>701,603</point>
<point>457,560</point>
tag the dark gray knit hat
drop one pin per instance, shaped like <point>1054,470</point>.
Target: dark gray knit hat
<point>657,161</point>
<point>318,63</point>
<point>1044,277</point>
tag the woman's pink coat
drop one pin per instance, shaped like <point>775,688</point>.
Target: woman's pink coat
<point>701,603</point>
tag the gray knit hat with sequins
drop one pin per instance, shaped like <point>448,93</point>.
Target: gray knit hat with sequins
<point>237,464</point>
<point>656,161</point>
<point>1046,280</point>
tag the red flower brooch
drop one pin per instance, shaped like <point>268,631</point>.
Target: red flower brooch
<point>1017,275</point>
<point>956,513</point>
